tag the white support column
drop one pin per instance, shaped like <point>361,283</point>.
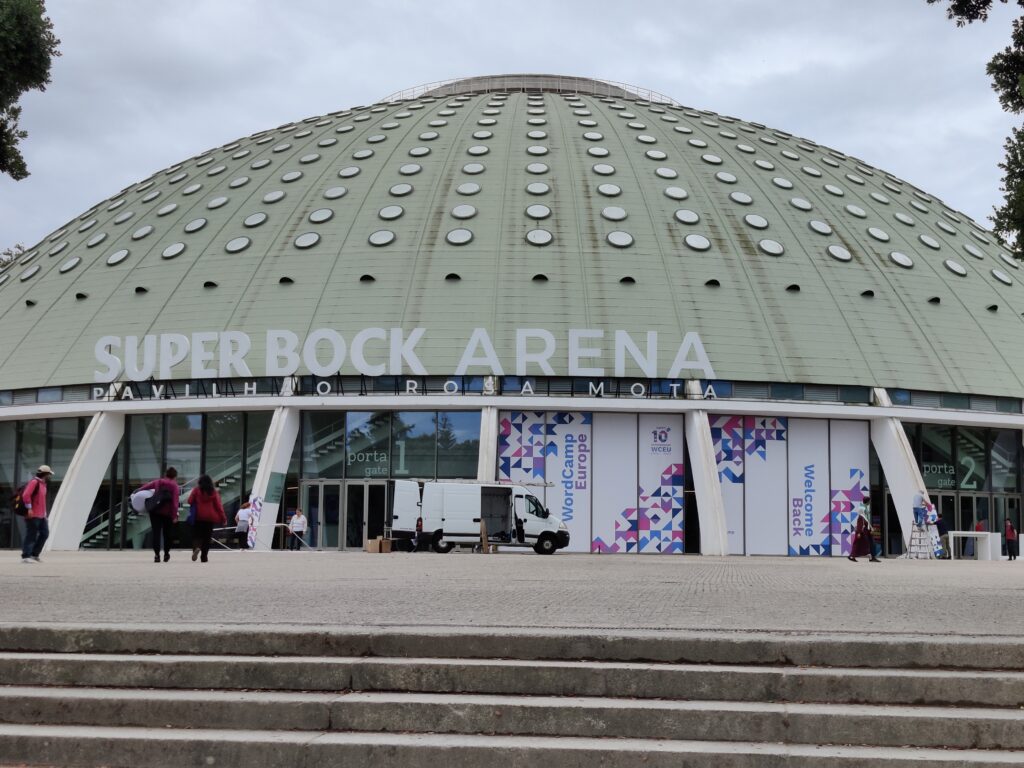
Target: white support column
<point>487,466</point>
<point>902,474</point>
<point>277,455</point>
<point>706,486</point>
<point>82,481</point>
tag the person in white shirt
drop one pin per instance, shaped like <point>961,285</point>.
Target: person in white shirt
<point>242,518</point>
<point>297,527</point>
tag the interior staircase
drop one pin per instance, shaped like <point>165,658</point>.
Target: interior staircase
<point>272,696</point>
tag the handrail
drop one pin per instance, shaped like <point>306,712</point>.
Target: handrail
<point>233,529</point>
<point>531,82</point>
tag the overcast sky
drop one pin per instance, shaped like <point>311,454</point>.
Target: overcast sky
<point>143,84</point>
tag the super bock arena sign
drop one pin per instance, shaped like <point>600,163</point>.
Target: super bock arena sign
<point>325,352</point>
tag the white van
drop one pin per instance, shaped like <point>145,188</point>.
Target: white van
<point>451,514</point>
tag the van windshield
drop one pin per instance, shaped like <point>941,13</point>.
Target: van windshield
<point>535,508</point>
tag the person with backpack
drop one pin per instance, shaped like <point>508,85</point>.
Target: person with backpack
<point>163,511</point>
<point>37,529</point>
<point>209,513</point>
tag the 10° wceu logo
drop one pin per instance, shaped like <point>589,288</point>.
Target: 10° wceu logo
<point>661,440</point>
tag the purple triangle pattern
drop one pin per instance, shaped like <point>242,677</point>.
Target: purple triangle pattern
<point>656,524</point>
<point>521,446</point>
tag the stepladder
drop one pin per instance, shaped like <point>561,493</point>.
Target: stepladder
<point>924,543</point>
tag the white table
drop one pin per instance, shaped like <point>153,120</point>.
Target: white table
<point>988,545</point>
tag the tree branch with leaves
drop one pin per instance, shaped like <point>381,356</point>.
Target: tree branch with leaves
<point>27,46</point>
<point>1006,69</point>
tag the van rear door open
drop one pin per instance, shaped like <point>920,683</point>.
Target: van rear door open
<point>496,512</point>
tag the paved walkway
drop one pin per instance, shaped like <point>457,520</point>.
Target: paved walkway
<point>519,590</point>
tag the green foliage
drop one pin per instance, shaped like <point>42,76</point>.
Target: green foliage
<point>968,11</point>
<point>1009,217</point>
<point>27,46</point>
<point>1006,69</point>
<point>7,255</point>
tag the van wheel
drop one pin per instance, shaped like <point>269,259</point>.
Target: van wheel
<point>441,547</point>
<point>545,545</point>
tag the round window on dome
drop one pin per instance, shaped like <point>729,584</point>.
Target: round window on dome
<point>381,237</point>
<point>306,240</point>
<point>901,259</point>
<point>459,237</point>
<point>839,253</point>
<point>620,239</point>
<point>697,242</point>
<point>539,237</point>
<point>237,245</point>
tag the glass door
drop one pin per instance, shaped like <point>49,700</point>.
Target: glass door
<point>1003,508</point>
<point>355,512</point>
<point>365,512</point>
<point>321,503</point>
<point>376,509</point>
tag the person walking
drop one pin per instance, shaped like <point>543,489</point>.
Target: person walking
<point>209,513</point>
<point>242,517</point>
<point>863,538</point>
<point>943,530</point>
<point>297,527</point>
<point>1012,540</point>
<point>37,529</point>
<point>163,513</point>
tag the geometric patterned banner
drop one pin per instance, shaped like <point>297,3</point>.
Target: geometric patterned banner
<point>568,467</point>
<point>615,527</point>
<point>660,506</point>
<point>848,443</point>
<point>521,448</point>
<point>809,511</point>
<point>727,440</point>
<point>766,465</point>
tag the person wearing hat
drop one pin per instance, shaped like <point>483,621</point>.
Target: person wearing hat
<point>37,530</point>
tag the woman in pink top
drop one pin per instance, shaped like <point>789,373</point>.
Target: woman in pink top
<point>1012,540</point>
<point>209,512</point>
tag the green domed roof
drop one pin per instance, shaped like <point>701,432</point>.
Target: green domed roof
<point>534,202</point>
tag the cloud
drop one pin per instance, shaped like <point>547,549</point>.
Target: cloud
<point>145,83</point>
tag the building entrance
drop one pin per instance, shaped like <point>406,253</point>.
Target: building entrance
<point>321,501</point>
<point>344,514</point>
<point>366,507</point>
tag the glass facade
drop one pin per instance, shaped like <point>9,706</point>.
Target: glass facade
<point>226,446</point>
<point>972,474</point>
<point>332,445</point>
<point>24,446</point>
<point>369,445</point>
<point>936,456</point>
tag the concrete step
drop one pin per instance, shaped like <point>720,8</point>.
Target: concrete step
<point>578,717</point>
<point>750,648</point>
<point>172,748</point>
<point>505,676</point>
